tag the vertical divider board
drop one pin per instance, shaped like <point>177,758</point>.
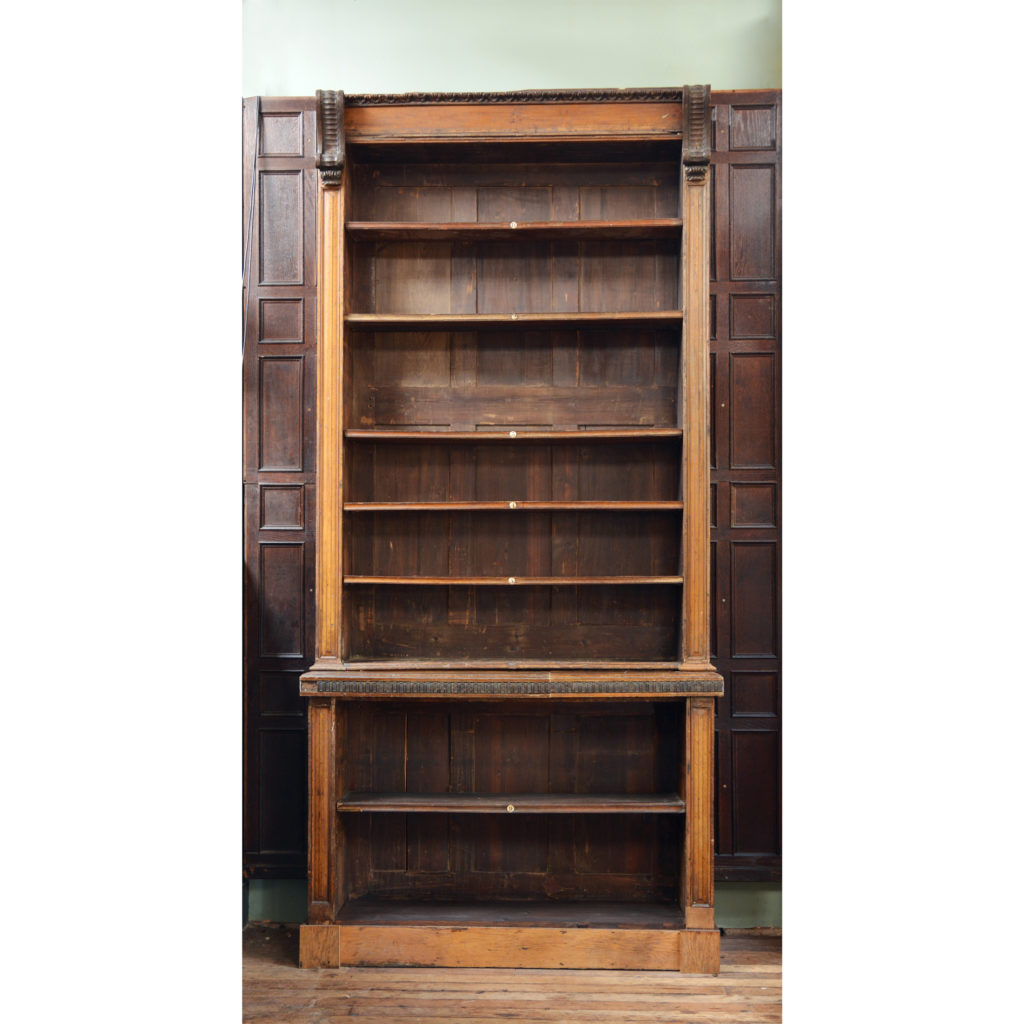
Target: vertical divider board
<point>495,338</point>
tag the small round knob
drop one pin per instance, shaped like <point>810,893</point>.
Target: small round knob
<point>511,433</point>
<point>515,316</point>
<point>514,224</point>
<point>511,579</point>
<point>511,504</point>
<point>510,808</point>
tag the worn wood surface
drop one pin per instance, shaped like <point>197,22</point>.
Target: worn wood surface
<point>276,991</point>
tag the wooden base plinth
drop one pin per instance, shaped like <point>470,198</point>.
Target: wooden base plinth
<point>624,949</point>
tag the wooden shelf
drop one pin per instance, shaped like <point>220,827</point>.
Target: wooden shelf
<point>417,231</point>
<point>626,434</point>
<point>466,321</point>
<point>507,581</point>
<point>511,506</point>
<point>521,913</point>
<point>513,803</point>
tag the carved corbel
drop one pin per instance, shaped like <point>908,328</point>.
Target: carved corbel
<point>696,132</point>
<point>330,136</point>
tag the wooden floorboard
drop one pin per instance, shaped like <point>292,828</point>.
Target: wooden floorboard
<point>277,991</point>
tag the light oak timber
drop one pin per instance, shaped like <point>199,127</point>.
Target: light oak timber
<point>512,803</point>
<point>330,449</point>
<point>323,830</point>
<point>474,230</point>
<point>512,581</point>
<point>613,949</point>
<point>505,506</point>
<point>699,951</point>
<point>696,422</point>
<point>464,321</point>
<point>319,945</point>
<point>513,122</point>
<point>384,434</point>
<point>275,988</point>
<point>698,896</point>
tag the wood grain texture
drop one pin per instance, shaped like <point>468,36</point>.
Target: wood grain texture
<point>511,803</point>
<point>274,988</point>
<point>698,851</point>
<point>699,951</point>
<point>513,121</point>
<point>324,885</point>
<point>408,946</point>
<point>330,450</point>
<point>696,421</point>
<point>279,484</point>
<point>747,466</point>
<point>319,945</point>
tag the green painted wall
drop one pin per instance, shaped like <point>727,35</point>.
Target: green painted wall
<point>737,904</point>
<point>294,47</point>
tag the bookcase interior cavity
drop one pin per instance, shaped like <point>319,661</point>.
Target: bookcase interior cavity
<point>510,721</point>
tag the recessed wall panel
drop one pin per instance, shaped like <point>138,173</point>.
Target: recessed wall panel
<point>280,413</point>
<point>752,408</point>
<point>754,600</point>
<point>280,227</point>
<point>281,600</point>
<point>752,222</point>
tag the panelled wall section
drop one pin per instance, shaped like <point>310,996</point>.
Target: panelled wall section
<point>279,379</point>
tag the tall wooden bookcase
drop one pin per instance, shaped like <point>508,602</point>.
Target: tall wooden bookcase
<point>511,712</point>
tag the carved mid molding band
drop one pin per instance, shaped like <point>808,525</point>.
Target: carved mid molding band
<point>388,686</point>
<point>696,132</point>
<point>330,136</point>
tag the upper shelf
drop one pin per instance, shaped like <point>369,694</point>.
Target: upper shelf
<point>408,231</point>
<point>463,321</point>
<point>625,434</point>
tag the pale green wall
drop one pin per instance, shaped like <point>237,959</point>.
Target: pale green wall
<point>737,904</point>
<point>294,47</point>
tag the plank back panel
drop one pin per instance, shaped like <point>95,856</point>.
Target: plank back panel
<point>512,749</point>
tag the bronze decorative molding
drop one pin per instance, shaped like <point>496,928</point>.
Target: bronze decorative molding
<point>696,132</point>
<point>330,136</point>
<point>523,96</point>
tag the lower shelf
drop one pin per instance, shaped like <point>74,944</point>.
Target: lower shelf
<point>520,913</point>
<point>608,936</point>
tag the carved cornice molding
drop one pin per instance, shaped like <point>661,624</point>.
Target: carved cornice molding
<point>394,686</point>
<point>524,96</point>
<point>330,136</point>
<point>696,132</point>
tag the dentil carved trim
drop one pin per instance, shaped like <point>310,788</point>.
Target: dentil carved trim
<point>512,687</point>
<point>330,136</point>
<point>523,96</point>
<point>696,132</point>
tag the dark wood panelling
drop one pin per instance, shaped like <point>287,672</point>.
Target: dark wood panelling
<point>755,757</point>
<point>754,406</point>
<point>279,373</point>
<point>280,253</point>
<point>751,222</point>
<point>746,461</point>
<point>281,320</point>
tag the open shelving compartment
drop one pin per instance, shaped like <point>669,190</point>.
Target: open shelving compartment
<point>511,711</point>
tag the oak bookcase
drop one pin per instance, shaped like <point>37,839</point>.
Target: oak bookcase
<point>511,710</point>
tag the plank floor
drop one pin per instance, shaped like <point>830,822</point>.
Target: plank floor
<point>276,991</point>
